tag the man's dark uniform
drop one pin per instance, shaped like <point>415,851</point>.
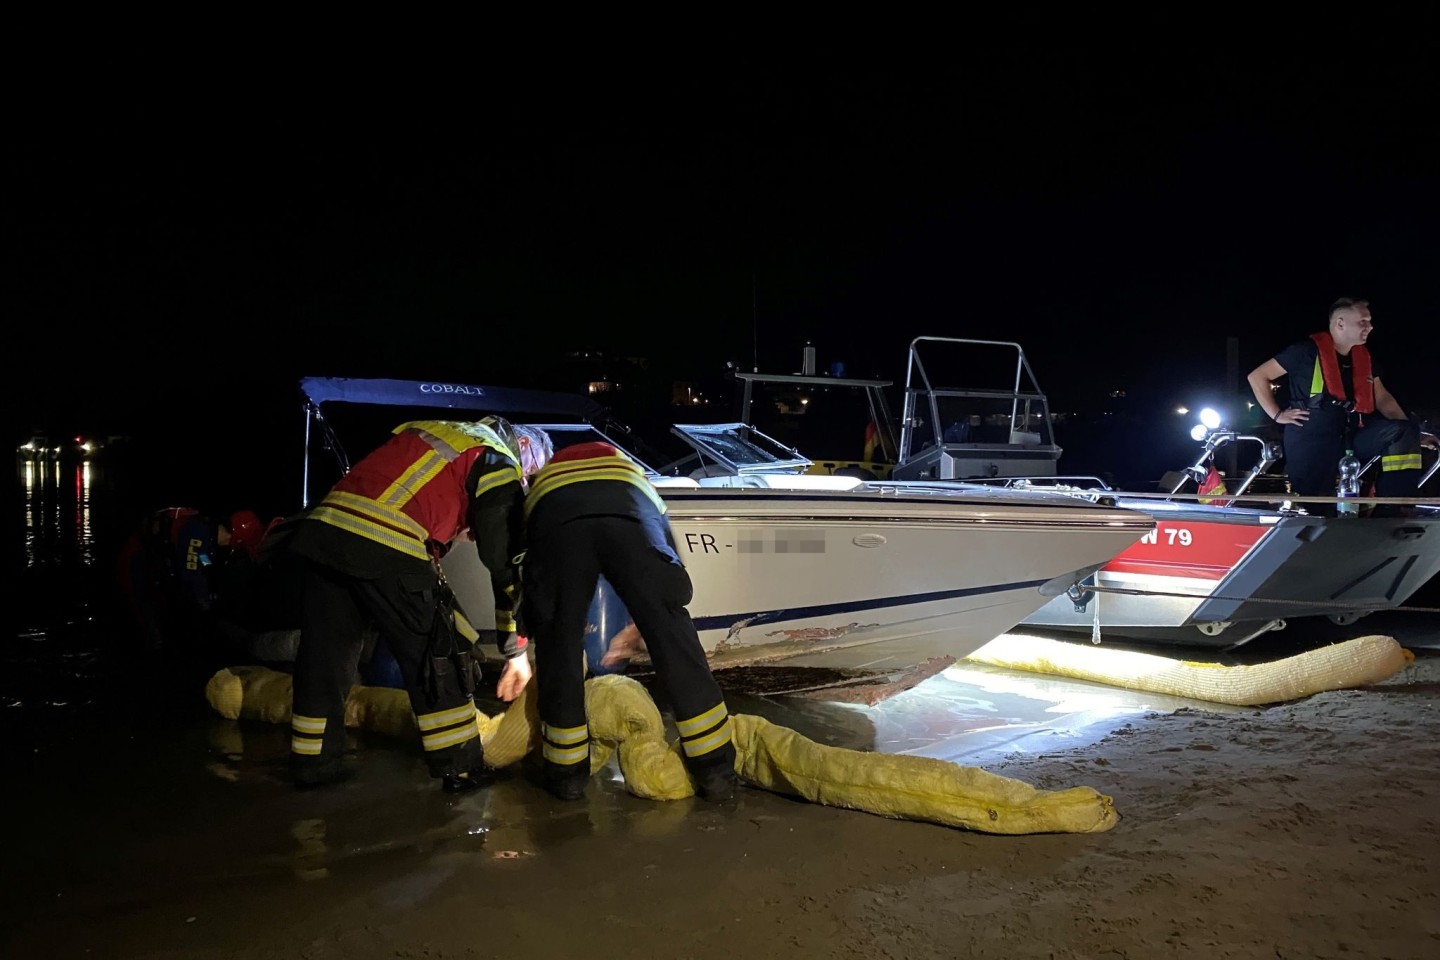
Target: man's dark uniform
<point>373,546</point>
<point>1338,422</point>
<point>592,511</point>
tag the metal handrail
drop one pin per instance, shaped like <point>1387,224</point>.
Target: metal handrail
<point>1270,452</point>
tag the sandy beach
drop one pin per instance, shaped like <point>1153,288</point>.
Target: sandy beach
<point>1303,830</point>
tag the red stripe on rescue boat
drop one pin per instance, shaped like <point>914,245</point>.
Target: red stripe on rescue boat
<point>1179,548</point>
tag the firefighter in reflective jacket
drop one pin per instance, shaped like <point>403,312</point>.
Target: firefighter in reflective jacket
<point>591,511</point>
<point>1335,401</point>
<point>373,547</point>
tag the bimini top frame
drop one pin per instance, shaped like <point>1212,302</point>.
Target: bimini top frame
<point>515,403</point>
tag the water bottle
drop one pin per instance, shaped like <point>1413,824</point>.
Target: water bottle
<point>1349,485</point>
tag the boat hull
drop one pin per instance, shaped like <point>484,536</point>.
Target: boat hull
<point>868,579</point>
<point>1222,576</point>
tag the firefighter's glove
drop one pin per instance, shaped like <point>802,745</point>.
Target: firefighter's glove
<point>514,678</point>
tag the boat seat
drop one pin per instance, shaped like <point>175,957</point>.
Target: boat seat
<point>683,482</point>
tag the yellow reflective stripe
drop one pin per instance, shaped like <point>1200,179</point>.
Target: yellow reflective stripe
<point>448,446</point>
<point>633,476</point>
<point>442,741</point>
<point>698,748</point>
<point>307,724</point>
<point>450,438</point>
<point>306,747</point>
<point>1317,380</point>
<point>409,483</point>
<point>706,720</point>
<point>376,511</point>
<point>566,757</point>
<point>564,735</point>
<point>370,531</point>
<point>605,468</point>
<point>466,628</point>
<point>505,622</point>
<point>445,718</point>
<point>1406,461</point>
<point>496,479</point>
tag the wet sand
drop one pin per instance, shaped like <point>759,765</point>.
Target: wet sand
<point>151,828</point>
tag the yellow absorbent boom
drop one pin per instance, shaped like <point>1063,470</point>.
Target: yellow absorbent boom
<point>624,720</point>
<point>1354,663</point>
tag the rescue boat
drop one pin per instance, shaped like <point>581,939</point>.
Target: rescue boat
<point>1217,570</point>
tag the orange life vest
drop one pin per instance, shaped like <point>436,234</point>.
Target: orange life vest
<point>1327,377</point>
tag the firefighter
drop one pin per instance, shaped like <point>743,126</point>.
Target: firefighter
<point>1336,401</point>
<point>592,512</point>
<point>372,549</point>
<point>173,568</point>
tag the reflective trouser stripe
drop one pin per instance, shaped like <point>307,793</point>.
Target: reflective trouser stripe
<point>449,738</point>
<point>565,745</point>
<point>446,718</point>
<point>446,728</point>
<point>705,732</point>
<point>699,746</point>
<point>703,722</point>
<point>1407,461</point>
<point>566,757</point>
<point>307,734</point>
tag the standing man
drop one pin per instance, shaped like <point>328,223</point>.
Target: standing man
<point>592,512</point>
<point>372,549</point>
<point>1336,401</point>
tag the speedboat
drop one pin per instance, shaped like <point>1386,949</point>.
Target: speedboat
<point>808,570</point>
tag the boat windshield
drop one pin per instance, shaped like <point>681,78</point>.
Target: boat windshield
<point>738,449</point>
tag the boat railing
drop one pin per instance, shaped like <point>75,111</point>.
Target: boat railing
<point>1028,415</point>
<point>1270,453</point>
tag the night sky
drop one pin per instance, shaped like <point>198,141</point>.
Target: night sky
<point>1120,208</point>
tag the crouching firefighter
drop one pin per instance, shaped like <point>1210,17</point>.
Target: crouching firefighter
<point>372,552</point>
<point>591,511</point>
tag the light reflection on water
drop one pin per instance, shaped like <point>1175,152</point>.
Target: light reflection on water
<point>57,501</point>
<point>55,666</point>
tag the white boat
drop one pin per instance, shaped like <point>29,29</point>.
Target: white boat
<point>812,571</point>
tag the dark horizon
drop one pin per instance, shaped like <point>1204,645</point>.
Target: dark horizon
<point>1120,215</point>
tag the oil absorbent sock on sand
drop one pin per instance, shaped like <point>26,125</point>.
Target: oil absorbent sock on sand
<point>1354,663</point>
<point>623,719</point>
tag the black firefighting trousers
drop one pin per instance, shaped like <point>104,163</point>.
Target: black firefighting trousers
<point>639,560</point>
<point>1313,451</point>
<point>412,617</point>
